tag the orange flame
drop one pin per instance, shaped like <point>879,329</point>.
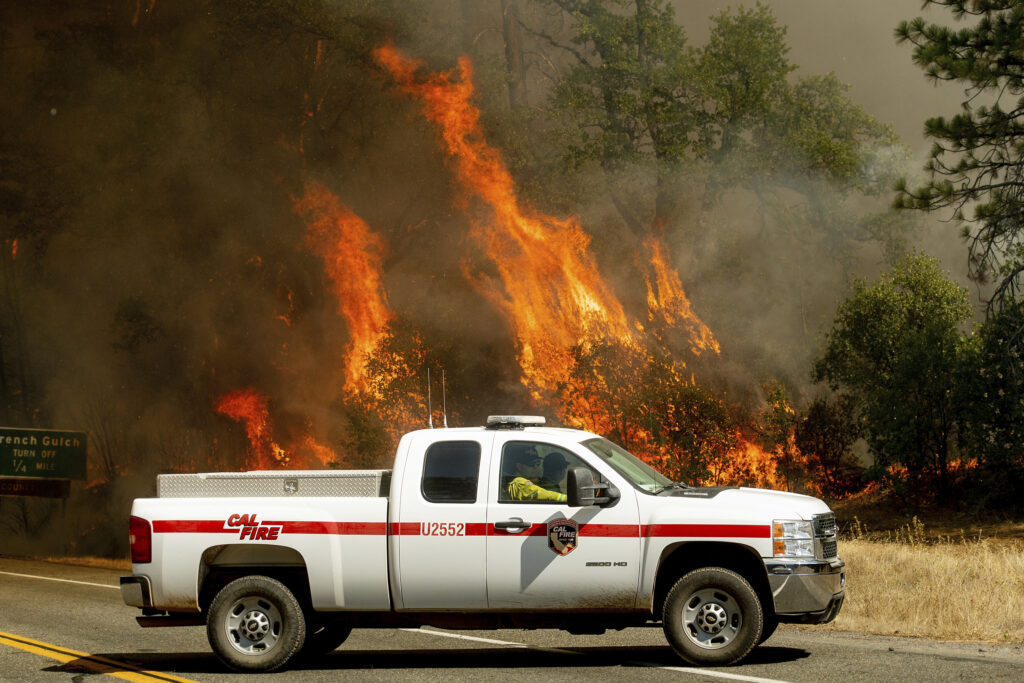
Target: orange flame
<point>548,286</point>
<point>667,300</point>
<point>748,465</point>
<point>324,454</point>
<point>352,256</point>
<point>250,407</point>
<point>318,57</point>
<point>550,292</point>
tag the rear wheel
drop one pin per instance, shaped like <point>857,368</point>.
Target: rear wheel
<point>712,617</point>
<point>255,624</point>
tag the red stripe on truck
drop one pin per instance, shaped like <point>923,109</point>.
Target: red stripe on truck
<point>708,530</point>
<point>334,528</point>
<point>610,530</point>
<point>218,526</point>
<point>191,526</point>
<point>653,531</point>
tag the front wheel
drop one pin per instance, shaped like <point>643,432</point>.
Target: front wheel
<point>771,622</point>
<point>255,624</point>
<point>712,617</point>
<point>324,637</point>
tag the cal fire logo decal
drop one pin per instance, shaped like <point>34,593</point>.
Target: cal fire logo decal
<point>563,536</point>
<point>250,529</point>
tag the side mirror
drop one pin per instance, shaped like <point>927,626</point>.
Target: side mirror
<point>584,491</point>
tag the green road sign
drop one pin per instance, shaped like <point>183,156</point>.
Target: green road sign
<point>47,453</point>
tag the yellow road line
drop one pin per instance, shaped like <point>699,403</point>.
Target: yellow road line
<point>87,663</point>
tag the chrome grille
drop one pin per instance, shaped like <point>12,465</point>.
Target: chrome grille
<point>825,525</point>
<point>825,535</point>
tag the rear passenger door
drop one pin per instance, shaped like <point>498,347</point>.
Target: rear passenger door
<point>440,536</point>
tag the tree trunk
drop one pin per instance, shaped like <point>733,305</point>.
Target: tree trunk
<point>515,63</point>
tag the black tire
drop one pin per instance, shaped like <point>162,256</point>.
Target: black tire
<point>324,637</point>
<point>771,622</point>
<point>255,624</point>
<point>712,617</point>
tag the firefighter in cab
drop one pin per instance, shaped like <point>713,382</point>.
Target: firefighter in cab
<point>526,467</point>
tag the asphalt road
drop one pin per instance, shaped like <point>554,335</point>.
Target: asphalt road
<point>64,623</point>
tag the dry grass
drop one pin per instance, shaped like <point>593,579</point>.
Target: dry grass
<point>951,587</point>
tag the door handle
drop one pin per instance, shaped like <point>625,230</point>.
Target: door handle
<point>513,526</point>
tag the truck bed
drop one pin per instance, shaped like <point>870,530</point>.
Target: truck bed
<point>307,519</point>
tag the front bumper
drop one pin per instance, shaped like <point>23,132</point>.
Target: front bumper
<point>807,592</point>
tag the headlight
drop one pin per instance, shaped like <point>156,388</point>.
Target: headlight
<point>792,538</point>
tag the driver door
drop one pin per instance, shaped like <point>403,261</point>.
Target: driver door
<point>544,555</point>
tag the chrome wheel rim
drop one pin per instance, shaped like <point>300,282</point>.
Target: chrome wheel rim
<point>253,625</point>
<point>712,618</point>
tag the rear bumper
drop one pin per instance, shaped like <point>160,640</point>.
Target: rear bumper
<point>807,592</point>
<point>136,591</point>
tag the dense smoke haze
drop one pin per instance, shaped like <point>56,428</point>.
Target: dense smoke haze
<point>856,42</point>
<point>172,183</point>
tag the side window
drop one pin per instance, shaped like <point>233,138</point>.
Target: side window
<point>534,472</point>
<point>451,470</point>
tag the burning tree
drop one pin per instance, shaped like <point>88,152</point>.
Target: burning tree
<point>352,256</point>
<point>549,288</point>
<point>574,338</point>
<point>250,408</point>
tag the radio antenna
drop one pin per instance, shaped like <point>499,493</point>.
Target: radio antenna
<point>430,411</point>
<point>444,400</point>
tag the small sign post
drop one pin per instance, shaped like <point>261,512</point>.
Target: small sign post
<point>38,488</point>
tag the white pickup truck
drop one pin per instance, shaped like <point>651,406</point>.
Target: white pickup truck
<point>464,533</point>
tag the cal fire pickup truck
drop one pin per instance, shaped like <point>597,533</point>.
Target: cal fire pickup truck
<point>280,563</point>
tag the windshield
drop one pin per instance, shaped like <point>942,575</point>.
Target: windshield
<point>641,475</point>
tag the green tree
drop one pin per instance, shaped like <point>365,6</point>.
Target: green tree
<point>639,98</point>
<point>895,348</point>
<point>742,73</point>
<point>977,162</point>
<point>995,419</point>
<point>823,145</point>
<point>629,98</point>
<point>767,134</point>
